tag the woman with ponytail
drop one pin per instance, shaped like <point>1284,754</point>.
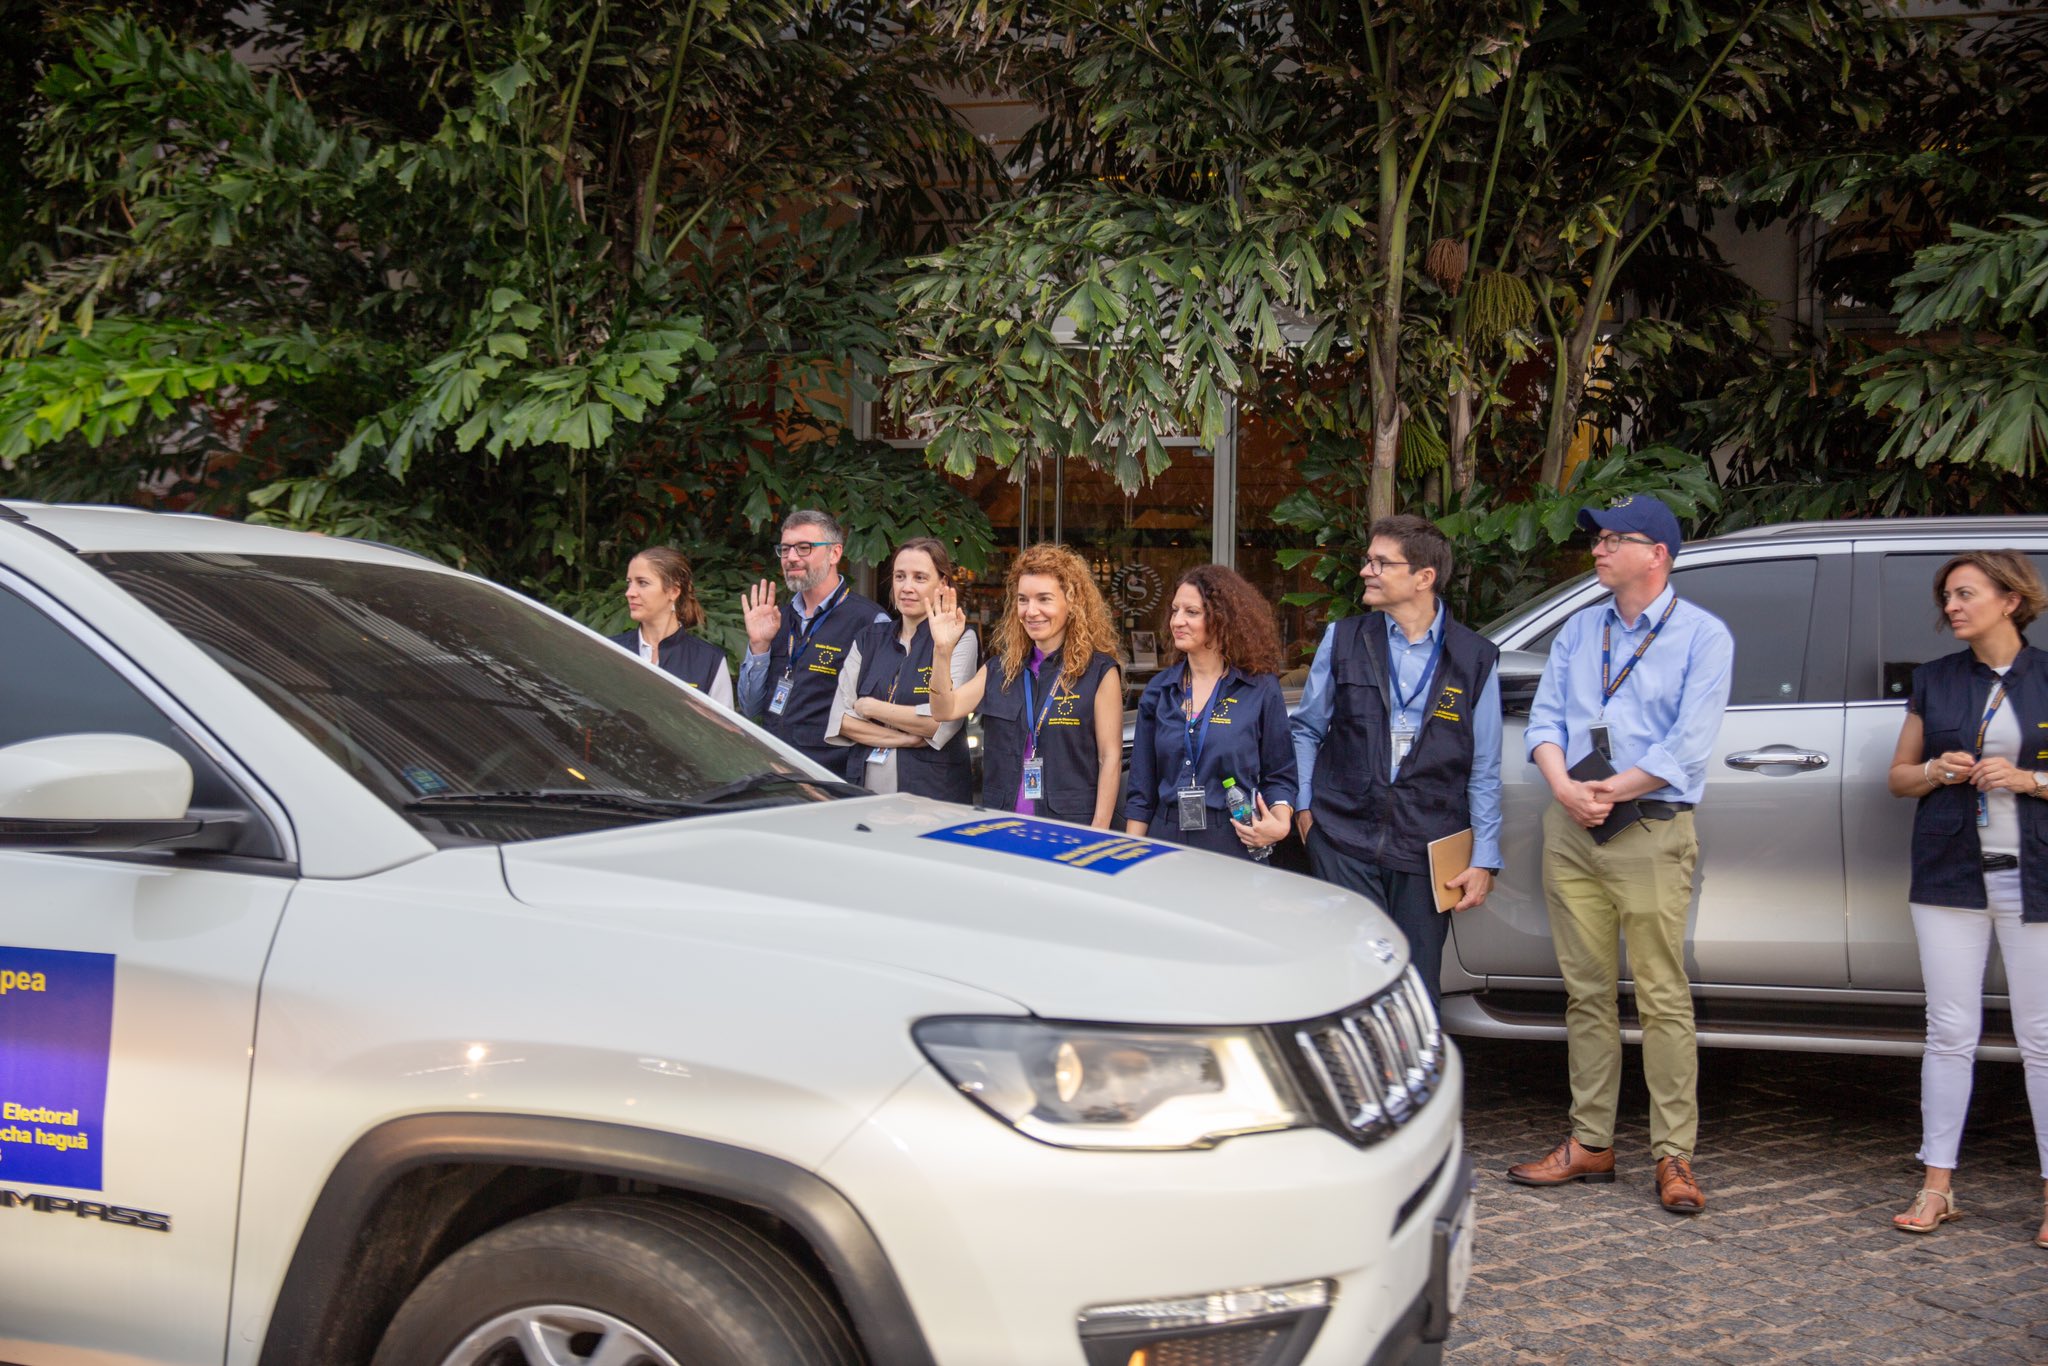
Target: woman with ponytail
<point>661,597</point>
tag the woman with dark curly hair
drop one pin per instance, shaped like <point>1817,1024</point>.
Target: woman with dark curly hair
<point>1051,701</point>
<point>1971,756</point>
<point>1214,714</point>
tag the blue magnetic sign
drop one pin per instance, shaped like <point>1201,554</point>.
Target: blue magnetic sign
<point>56,1032</point>
<point>1054,842</point>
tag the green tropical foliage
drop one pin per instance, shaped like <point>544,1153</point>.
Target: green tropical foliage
<point>525,285</point>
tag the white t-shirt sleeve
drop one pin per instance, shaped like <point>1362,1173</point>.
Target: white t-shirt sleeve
<point>842,699</point>
<point>966,659</point>
<point>721,685</point>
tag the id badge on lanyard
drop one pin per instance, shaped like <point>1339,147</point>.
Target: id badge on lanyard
<point>1984,798</point>
<point>1404,742</point>
<point>1191,797</point>
<point>1034,763</point>
<point>781,698</point>
<point>1193,801</point>
<point>877,757</point>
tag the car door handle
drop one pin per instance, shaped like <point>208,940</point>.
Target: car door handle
<point>1777,756</point>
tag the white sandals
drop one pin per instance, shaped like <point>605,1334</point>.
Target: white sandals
<point>1922,1217</point>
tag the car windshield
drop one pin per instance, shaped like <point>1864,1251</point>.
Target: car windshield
<point>1530,608</point>
<point>469,711</point>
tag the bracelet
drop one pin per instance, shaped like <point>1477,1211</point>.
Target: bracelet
<point>1926,776</point>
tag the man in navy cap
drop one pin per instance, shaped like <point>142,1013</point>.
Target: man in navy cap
<point>1627,712</point>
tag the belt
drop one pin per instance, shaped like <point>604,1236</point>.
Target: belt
<point>1661,811</point>
<point>2000,863</point>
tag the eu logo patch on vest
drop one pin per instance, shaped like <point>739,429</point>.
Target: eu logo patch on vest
<point>1446,708</point>
<point>827,661</point>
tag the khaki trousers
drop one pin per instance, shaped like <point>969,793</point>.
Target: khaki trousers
<point>1637,886</point>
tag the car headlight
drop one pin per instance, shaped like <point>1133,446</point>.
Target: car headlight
<point>1106,1086</point>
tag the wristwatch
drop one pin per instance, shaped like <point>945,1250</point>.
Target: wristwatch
<point>2041,782</point>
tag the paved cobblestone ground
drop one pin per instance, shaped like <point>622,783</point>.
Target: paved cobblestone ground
<point>1804,1159</point>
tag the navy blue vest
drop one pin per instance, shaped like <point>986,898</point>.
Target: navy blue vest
<point>893,674</point>
<point>1949,697</point>
<point>815,677</point>
<point>695,661</point>
<point>1356,808</point>
<point>1066,741</point>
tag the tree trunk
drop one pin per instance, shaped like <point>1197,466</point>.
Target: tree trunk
<point>1575,368</point>
<point>1384,357</point>
<point>1458,450</point>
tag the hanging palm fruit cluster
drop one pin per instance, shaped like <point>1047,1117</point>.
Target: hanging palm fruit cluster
<point>1498,304</point>
<point>1422,448</point>
<point>1445,261</point>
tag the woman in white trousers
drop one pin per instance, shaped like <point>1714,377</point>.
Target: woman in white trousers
<point>1974,753</point>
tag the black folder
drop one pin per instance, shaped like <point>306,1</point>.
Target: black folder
<point>1624,814</point>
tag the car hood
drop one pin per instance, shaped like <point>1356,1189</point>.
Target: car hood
<point>1180,937</point>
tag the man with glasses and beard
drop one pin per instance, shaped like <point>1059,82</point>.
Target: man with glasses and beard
<point>794,651</point>
<point>1622,729</point>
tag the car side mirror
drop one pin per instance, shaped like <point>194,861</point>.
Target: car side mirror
<point>104,792</point>
<point>1520,672</point>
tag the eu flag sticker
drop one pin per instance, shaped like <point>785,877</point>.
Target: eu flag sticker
<point>1054,842</point>
<point>56,1033</point>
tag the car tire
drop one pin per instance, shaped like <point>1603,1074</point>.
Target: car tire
<point>669,1280</point>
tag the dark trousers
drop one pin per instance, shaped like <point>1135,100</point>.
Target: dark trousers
<point>1405,897</point>
<point>1218,837</point>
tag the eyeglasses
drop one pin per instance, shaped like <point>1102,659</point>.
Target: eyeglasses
<point>1375,565</point>
<point>1607,540</point>
<point>798,549</point>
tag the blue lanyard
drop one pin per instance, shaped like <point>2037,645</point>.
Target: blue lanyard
<point>1997,697</point>
<point>1031,705</point>
<point>799,643</point>
<point>1196,731</point>
<point>1607,689</point>
<point>1402,704</point>
<point>1984,798</point>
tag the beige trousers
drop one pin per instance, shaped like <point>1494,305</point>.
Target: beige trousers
<point>1638,887</point>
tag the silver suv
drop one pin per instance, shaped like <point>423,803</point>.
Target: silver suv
<point>1799,936</point>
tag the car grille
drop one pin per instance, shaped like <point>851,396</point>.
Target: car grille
<point>1377,1064</point>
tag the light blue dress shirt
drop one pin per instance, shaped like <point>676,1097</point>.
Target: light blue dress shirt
<point>1408,659</point>
<point>754,668</point>
<point>1666,714</point>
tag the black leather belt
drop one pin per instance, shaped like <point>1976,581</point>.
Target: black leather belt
<point>1661,811</point>
<point>2000,863</point>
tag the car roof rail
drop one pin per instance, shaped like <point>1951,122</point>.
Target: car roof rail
<point>1889,526</point>
<point>11,513</point>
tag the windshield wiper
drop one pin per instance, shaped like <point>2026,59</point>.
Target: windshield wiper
<point>627,803</point>
<point>584,799</point>
<point>771,778</point>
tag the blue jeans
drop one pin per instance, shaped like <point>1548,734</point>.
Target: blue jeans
<point>1405,897</point>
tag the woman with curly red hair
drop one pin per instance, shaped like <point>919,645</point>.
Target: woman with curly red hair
<point>1214,713</point>
<point>1051,701</point>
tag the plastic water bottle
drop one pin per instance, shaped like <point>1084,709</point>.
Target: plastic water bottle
<point>1244,813</point>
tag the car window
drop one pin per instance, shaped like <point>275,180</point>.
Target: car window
<point>423,684</point>
<point>1911,628</point>
<point>54,684</point>
<point>1768,606</point>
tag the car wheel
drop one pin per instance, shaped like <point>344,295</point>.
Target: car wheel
<point>620,1281</point>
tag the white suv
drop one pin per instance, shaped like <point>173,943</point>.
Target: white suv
<point>392,970</point>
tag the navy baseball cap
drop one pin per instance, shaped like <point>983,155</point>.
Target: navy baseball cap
<point>1637,514</point>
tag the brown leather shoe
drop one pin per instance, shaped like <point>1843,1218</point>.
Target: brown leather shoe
<point>1676,1188</point>
<point>1568,1161</point>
